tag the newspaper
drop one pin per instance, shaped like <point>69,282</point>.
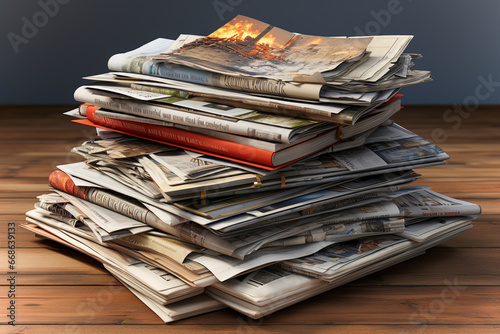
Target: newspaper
<point>233,205</point>
<point>267,290</point>
<point>55,221</point>
<point>343,232</point>
<point>281,214</point>
<point>434,227</point>
<point>62,215</point>
<point>124,205</point>
<point>176,249</point>
<point>328,95</point>
<point>215,108</point>
<point>282,157</point>
<point>64,209</point>
<point>245,243</point>
<point>173,190</point>
<point>83,171</point>
<point>270,289</point>
<point>269,182</point>
<point>124,153</point>
<point>240,247</point>
<point>109,205</point>
<point>247,123</point>
<point>329,111</point>
<point>291,224</point>
<point>376,153</point>
<point>326,200</point>
<point>414,77</point>
<point>387,131</point>
<point>267,51</point>
<point>157,277</point>
<point>306,200</point>
<point>357,99</point>
<point>338,260</point>
<point>200,236</point>
<point>190,272</point>
<point>224,267</point>
<point>329,262</point>
<point>321,167</point>
<point>108,220</point>
<point>378,210</point>
<point>374,68</point>
<point>122,147</point>
<point>180,310</point>
<point>384,52</point>
<point>185,166</point>
<point>240,244</point>
<point>263,289</point>
<point>134,177</point>
<point>86,225</point>
<point>126,170</point>
<point>427,203</point>
<point>245,183</point>
<point>348,231</point>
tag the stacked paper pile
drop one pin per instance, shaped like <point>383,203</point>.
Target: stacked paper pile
<point>252,168</point>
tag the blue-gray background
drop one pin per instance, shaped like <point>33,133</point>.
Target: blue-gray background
<point>458,38</point>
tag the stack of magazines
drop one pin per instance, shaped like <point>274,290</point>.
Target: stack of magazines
<point>251,169</point>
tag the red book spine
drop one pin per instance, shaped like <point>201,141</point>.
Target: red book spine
<point>183,138</point>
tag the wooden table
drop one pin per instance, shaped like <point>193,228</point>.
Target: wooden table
<point>453,288</point>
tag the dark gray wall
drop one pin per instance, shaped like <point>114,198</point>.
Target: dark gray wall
<point>458,38</point>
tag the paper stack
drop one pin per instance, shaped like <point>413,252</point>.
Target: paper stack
<point>252,168</point>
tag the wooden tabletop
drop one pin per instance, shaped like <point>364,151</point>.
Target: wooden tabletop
<point>453,288</point>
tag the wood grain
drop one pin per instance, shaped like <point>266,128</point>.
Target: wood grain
<point>357,305</point>
<point>257,329</point>
<point>453,288</point>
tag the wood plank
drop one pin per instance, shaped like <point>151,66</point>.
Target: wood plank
<point>41,158</point>
<point>51,279</point>
<point>452,188</point>
<point>30,170</point>
<point>467,305</point>
<point>255,327</point>
<point>54,261</point>
<point>16,206</point>
<point>484,233</point>
<point>51,147</point>
<point>463,171</point>
<point>109,304</point>
<point>436,305</point>
<point>439,265</point>
<point>71,132</point>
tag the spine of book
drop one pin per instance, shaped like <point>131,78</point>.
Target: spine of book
<point>184,139</point>
<point>188,231</point>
